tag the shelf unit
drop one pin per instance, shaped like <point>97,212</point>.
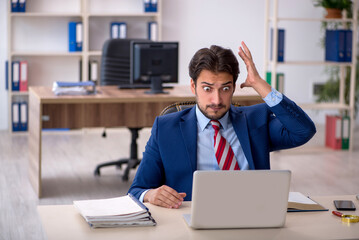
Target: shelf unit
<point>95,16</point>
<point>272,21</point>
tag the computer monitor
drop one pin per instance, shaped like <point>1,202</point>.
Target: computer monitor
<point>116,62</point>
<point>154,63</point>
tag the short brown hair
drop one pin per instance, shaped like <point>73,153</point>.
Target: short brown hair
<point>215,59</point>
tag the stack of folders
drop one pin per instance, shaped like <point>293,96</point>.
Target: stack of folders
<point>118,30</point>
<point>18,5</point>
<point>19,76</point>
<point>125,211</point>
<point>19,116</point>
<point>150,5</point>
<point>337,131</point>
<point>279,81</point>
<point>338,45</point>
<point>74,88</point>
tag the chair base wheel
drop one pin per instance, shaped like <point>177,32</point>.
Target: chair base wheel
<point>97,172</point>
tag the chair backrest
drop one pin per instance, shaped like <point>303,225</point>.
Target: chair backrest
<point>116,61</point>
<point>176,107</point>
<point>179,106</point>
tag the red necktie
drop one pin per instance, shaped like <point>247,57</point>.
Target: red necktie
<point>224,153</point>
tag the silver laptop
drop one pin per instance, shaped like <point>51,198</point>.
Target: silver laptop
<point>239,199</point>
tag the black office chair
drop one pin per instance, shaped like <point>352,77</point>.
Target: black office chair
<point>176,107</point>
<point>115,70</point>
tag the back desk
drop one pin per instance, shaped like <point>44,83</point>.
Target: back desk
<point>110,107</point>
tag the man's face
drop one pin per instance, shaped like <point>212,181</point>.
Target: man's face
<point>214,93</point>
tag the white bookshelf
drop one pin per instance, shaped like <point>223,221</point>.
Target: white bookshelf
<point>44,14</point>
<point>46,54</point>
<point>312,19</point>
<point>40,36</point>
<point>304,63</point>
<point>272,20</point>
<point>136,15</point>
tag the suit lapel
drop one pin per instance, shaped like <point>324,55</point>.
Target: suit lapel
<point>239,122</point>
<point>188,127</point>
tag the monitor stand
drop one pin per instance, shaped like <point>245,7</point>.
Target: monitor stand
<point>156,86</point>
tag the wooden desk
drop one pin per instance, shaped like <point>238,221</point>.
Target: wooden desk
<point>111,107</point>
<point>64,222</point>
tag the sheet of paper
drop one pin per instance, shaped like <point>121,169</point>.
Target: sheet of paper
<point>299,198</point>
<point>106,207</point>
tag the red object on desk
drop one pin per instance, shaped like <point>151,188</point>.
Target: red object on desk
<point>336,213</point>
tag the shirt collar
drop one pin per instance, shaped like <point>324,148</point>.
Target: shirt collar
<point>203,121</point>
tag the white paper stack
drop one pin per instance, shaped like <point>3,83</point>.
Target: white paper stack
<point>115,212</point>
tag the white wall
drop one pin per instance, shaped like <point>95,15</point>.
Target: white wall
<point>201,23</point>
<point>3,57</point>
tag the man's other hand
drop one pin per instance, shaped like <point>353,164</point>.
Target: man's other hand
<point>164,196</point>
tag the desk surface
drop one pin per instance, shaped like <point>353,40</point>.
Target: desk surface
<point>64,222</point>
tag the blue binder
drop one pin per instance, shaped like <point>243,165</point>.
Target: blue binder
<point>6,75</point>
<point>113,30</point>
<point>22,5</point>
<point>348,45</point>
<point>153,31</point>
<point>153,5</point>
<point>75,36</point>
<point>335,45</point>
<point>15,117</point>
<point>147,5</point>
<point>280,45</point>
<point>72,36</point>
<point>14,5</point>
<point>15,76</point>
<point>23,116</point>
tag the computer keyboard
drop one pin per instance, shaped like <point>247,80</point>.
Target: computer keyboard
<point>139,86</point>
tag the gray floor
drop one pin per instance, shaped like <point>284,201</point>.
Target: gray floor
<point>69,159</point>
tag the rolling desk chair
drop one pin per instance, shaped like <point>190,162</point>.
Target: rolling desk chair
<point>176,107</point>
<point>115,70</point>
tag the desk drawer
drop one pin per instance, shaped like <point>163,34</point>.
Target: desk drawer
<point>101,115</point>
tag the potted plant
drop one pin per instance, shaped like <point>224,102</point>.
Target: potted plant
<point>334,7</point>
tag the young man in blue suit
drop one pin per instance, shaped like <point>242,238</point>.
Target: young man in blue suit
<point>183,142</point>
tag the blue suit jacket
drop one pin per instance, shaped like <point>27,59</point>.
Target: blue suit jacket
<point>170,157</point>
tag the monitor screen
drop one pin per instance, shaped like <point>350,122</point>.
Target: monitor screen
<point>154,63</point>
